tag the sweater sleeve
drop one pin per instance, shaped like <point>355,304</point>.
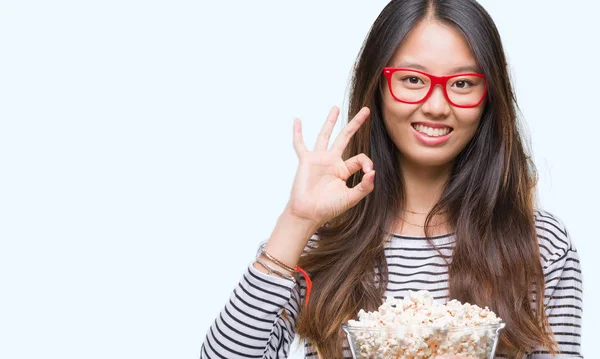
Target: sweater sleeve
<point>564,289</point>
<point>258,321</point>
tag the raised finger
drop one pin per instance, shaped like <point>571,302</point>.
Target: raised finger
<point>349,130</point>
<point>299,145</point>
<point>325,133</point>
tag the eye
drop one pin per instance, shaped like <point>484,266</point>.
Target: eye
<point>462,84</point>
<point>413,80</point>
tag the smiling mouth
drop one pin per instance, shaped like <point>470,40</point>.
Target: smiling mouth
<point>431,131</point>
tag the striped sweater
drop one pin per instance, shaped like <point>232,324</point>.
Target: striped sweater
<point>251,325</point>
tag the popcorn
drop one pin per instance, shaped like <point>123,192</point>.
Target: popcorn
<point>417,328</point>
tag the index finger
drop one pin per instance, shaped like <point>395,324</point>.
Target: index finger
<point>349,130</point>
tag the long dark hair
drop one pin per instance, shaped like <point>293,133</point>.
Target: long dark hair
<point>489,198</point>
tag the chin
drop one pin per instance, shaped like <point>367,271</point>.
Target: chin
<point>430,159</point>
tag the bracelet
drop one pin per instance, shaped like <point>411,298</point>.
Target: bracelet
<point>275,271</point>
<point>277,261</point>
<point>286,267</point>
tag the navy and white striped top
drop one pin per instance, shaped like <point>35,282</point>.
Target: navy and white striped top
<point>251,325</point>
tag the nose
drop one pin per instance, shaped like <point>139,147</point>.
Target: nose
<point>436,105</point>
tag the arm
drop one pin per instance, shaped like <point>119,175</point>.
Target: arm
<point>259,319</point>
<point>252,324</point>
<point>563,297</point>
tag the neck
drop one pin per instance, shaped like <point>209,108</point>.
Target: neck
<point>423,185</point>
<point>423,188</point>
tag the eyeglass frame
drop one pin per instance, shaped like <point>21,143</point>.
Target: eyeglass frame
<point>435,80</point>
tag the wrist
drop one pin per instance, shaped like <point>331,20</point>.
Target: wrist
<point>309,226</point>
<point>290,236</point>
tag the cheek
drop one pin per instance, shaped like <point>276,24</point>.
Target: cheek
<point>396,117</point>
<point>395,112</point>
<point>467,120</point>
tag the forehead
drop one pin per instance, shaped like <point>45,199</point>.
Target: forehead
<point>434,47</point>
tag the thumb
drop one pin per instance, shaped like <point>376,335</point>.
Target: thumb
<point>362,189</point>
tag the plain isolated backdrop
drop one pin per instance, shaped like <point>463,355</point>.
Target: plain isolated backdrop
<point>146,149</point>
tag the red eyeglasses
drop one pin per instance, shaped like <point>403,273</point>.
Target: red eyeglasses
<point>412,86</point>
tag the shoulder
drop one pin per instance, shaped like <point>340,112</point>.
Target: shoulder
<point>553,237</point>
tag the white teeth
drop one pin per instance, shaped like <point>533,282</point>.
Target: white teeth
<point>432,132</point>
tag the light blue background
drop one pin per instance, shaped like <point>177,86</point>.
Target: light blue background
<point>146,149</point>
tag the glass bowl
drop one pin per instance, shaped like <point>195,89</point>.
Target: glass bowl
<point>423,341</point>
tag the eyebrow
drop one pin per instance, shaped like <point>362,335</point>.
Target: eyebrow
<point>460,69</point>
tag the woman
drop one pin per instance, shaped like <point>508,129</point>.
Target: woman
<point>451,209</point>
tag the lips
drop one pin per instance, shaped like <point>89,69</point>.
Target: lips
<point>432,134</point>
